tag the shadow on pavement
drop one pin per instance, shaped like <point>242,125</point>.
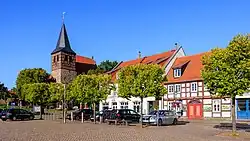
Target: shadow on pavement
<point>178,123</point>
<point>182,122</point>
<point>228,126</point>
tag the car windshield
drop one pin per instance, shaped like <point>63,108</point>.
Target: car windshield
<point>155,112</point>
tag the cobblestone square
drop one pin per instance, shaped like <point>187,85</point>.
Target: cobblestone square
<point>75,131</point>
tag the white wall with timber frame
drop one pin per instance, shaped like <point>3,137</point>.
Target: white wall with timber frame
<point>212,107</point>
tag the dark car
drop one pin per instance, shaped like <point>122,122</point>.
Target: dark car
<point>17,114</point>
<point>77,115</point>
<point>1,110</point>
<point>122,114</point>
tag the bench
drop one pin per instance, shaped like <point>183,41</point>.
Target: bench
<point>109,121</point>
<point>116,122</point>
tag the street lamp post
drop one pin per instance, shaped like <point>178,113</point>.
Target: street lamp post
<point>66,80</point>
<point>64,93</point>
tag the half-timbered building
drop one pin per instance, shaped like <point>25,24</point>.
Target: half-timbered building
<point>187,92</point>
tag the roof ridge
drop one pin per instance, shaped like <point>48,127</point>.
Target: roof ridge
<point>85,57</point>
<point>151,55</point>
<point>194,55</point>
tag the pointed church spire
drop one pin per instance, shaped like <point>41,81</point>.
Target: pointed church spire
<point>63,44</point>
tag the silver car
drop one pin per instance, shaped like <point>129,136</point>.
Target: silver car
<point>163,117</point>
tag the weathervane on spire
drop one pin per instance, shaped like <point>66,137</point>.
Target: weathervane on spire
<point>63,16</point>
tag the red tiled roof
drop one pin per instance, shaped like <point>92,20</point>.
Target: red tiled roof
<point>153,59</point>
<point>12,92</point>
<point>160,59</point>
<point>191,72</point>
<point>84,60</point>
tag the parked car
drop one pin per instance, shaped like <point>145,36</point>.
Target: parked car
<point>122,114</point>
<point>97,115</point>
<point>17,114</point>
<point>77,115</point>
<point>163,117</point>
<point>1,110</point>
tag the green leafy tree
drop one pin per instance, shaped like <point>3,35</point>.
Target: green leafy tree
<point>13,93</point>
<point>4,93</point>
<point>37,93</point>
<point>141,81</point>
<point>30,76</point>
<point>226,72</point>
<point>103,67</point>
<point>56,91</point>
<point>90,88</point>
<point>96,71</point>
<point>107,65</point>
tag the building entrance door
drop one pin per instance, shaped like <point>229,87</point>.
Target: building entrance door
<point>194,109</point>
<point>243,108</point>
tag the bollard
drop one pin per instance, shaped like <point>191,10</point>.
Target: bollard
<point>100,120</point>
<point>53,116</point>
<point>82,117</point>
<point>72,116</point>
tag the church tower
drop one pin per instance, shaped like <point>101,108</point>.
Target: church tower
<point>63,59</point>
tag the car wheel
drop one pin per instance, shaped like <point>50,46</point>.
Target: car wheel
<point>175,121</point>
<point>77,118</point>
<point>31,118</point>
<point>159,122</point>
<point>4,119</point>
<point>13,118</point>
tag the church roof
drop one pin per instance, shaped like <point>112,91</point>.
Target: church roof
<point>63,44</point>
<point>84,60</point>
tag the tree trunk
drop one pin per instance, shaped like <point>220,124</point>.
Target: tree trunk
<point>141,112</point>
<point>41,116</point>
<point>94,112</point>
<point>233,116</point>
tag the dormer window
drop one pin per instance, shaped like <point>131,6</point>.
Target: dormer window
<point>177,72</point>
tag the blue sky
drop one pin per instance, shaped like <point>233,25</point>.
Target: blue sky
<point>113,29</point>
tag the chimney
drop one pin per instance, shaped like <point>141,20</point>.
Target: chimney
<point>139,54</point>
<point>92,57</point>
<point>176,46</point>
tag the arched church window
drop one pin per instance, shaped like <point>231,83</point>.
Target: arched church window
<point>70,59</point>
<point>66,58</point>
<point>54,59</point>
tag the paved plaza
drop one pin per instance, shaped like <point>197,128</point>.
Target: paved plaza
<point>39,130</point>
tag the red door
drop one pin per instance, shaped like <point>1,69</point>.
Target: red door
<point>194,111</point>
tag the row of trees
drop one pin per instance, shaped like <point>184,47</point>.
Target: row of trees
<point>36,86</point>
<point>134,81</point>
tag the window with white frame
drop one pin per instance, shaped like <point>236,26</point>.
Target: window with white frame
<point>216,105</point>
<point>124,105</point>
<point>177,72</point>
<point>114,105</point>
<point>169,106</point>
<point>137,106</point>
<point>170,88</point>
<point>105,105</point>
<point>178,88</point>
<point>194,87</point>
